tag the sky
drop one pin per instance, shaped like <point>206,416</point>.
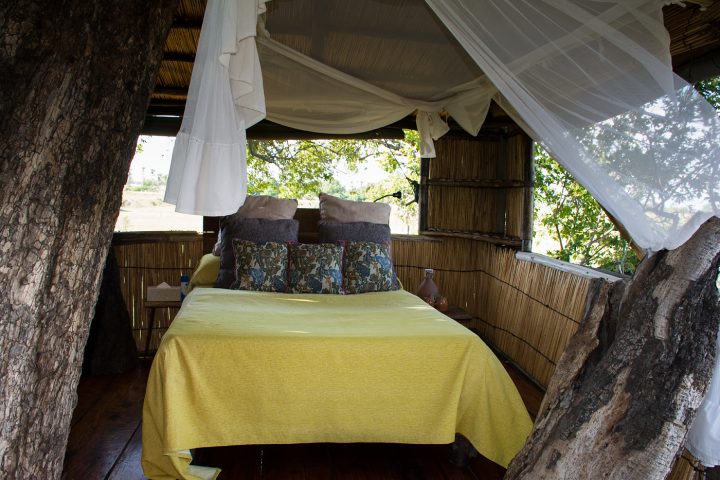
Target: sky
<point>156,155</point>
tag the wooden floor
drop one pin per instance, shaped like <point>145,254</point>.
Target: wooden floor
<point>105,443</point>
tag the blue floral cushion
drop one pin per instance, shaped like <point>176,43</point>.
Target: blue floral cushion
<point>257,230</point>
<point>260,266</point>
<point>315,268</point>
<point>368,268</point>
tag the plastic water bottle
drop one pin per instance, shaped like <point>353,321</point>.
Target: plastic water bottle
<point>184,281</point>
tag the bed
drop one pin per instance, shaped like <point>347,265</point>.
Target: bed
<point>245,367</point>
<point>345,357</point>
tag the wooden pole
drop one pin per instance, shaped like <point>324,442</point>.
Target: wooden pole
<point>424,174</point>
<point>529,195</point>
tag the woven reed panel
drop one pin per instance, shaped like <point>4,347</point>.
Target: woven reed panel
<point>518,153</point>
<point>530,311</point>
<point>461,208</point>
<point>464,158</point>
<point>526,310</point>
<point>149,262</point>
<point>691,28</point>
<point>191,9</point>
<point>174,74</point>
<point>481,186</point>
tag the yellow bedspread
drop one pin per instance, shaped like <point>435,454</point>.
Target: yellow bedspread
<point>240,367</point>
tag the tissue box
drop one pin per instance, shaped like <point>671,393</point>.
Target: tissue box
<point>163,293</point>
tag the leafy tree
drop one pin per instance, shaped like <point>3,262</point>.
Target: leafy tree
<point>304,168</point>
<point>401,162</point>
<point>576,221</point>
<point>710,89</point>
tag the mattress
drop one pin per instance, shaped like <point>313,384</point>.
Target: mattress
<point>240,367</point>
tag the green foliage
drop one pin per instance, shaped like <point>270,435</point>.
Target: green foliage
<point>710,89</point>
<point>575,220</point>
<point>140,144</point>
<point>303,169</point>
<point>298,168</point>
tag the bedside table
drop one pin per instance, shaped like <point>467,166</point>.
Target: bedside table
<point>459,315</point>
<point>150,307</point>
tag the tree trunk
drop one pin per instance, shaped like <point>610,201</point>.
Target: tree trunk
<point>627,387</point>
<point>75,78</point>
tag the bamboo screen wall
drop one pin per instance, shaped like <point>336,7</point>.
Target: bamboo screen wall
<point>480,188</point>
<point>526,310</point>
<point>147,259</point>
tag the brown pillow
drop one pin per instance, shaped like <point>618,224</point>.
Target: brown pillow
<point>270,208</point>
<point>333,209</point>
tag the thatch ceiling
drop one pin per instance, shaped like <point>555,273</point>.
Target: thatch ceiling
<point>694,32</point>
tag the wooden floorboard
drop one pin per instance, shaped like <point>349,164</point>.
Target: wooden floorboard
<point>101,434</point>
<point>90,392</point>
<point>106,443</point>
<point>127,466</point>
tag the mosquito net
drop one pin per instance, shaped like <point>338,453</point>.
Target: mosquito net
<point>590,80</point>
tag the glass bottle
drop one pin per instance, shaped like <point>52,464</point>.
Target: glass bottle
<point>427,290</point>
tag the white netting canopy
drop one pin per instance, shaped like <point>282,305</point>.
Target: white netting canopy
<point>590,80</point>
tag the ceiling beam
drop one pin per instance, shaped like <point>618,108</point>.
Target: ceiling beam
<point>187,23</point>
<point>179,57</point>
<point>174,91</point>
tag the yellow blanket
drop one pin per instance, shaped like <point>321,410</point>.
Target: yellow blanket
<point>240,367</point>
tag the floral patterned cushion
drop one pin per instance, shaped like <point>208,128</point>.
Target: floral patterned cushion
<point>368,268</point>
<point>257,230</point>
<point>260,266</point>
<point>315,268</point>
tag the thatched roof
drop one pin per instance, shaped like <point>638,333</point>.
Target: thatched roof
<point>694,33</point>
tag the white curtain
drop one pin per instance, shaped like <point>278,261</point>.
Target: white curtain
<point>704,435</point>
<point>208,169</point>
<point>592,81</point>
<point>306,94</point>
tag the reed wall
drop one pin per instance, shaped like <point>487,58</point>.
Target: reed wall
<point>480,188</point>
<point>525,310</point>
<point>147,259</point>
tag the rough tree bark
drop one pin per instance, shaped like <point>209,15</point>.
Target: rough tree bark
<point>628,385</point>
<point>75,79</point>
